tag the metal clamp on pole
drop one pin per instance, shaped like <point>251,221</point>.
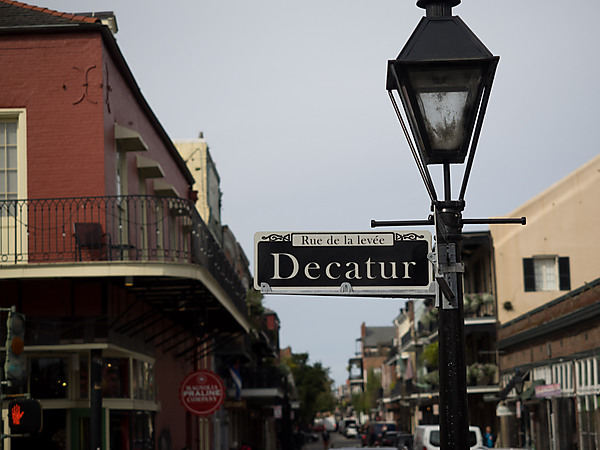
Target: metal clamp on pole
<point>446,275</point>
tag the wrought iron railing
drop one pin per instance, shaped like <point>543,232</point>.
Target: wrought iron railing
<point>113,229</point>
<point>263,377</point>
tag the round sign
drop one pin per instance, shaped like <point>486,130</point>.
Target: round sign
<point>202,392</point>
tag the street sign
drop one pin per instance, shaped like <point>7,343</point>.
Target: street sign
<point>202,392</point>
<point>381,264</point>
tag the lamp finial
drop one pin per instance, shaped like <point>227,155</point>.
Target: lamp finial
<point>438,8</point>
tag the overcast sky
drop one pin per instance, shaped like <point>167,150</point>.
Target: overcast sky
<point>291,98</point>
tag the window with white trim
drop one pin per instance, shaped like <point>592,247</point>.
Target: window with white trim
<point>13,156</point>
<point>8,159</point>
<point>546,273</point>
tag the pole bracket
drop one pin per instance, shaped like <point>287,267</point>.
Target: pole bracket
<point>446,277</point>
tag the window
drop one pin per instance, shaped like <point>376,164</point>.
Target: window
<point>143,380</point>
<point>8,160</point>
<point>115,378</point>
<point>546,273</point>
<point>13,150</point>
<point>48,378</point>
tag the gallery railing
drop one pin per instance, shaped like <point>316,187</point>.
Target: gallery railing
<point>112,229</point>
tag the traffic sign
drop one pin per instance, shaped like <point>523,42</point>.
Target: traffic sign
<point>202,392</point>
<point>382,264</point>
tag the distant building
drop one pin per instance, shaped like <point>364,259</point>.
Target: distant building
<point>411,384</point>
<point>374,346</point>
<point>196,154</point>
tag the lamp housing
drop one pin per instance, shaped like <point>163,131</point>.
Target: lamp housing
<point>443,76</point>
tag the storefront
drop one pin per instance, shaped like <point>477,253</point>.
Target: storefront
<point>60,379</point>
<point>557,406</point>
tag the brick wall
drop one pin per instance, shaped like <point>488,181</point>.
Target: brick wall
<point>58,80</point>
<point>552,311</point>
<point>73,93</point>
<point>582,337</point>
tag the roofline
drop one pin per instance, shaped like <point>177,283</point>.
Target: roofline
<point>114,50</point>
<point>557,300</point>
<point>556,186</point>
<point>577,317</point>
<point>52,12</point>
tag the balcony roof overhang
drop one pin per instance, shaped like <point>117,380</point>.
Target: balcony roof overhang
<point>176,289</point>
<point>263,393</point>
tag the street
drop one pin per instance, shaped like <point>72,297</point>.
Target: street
<point>336,441</point>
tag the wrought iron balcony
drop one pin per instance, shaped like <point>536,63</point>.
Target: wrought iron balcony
<point>121,229</point>
<point>262,378</point>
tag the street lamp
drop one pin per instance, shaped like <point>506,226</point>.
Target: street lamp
<point>443,77</point>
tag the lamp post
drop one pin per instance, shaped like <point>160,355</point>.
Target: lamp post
<point>443,77</point>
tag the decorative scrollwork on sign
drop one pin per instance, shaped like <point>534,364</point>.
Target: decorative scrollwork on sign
<point>277,237</point>
<point>408,237</point>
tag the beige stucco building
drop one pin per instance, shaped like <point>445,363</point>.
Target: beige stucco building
<point>196,154</point>
<point>548,283</point>
<point>557,251</point>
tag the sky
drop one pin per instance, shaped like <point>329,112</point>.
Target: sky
<point>290,96</point>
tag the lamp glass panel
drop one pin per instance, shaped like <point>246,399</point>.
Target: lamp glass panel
<point>446,100</point>
<point>444,116</point>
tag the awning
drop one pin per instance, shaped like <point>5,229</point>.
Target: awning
<point>164,189</point>
<point>148,168</point>
<point>129,140</point>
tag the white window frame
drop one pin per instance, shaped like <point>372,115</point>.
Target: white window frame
<point>545,269</point>
<point>19,114</point>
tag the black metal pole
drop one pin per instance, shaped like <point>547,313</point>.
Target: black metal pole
<point>454,411</point>
<point>96,400</point>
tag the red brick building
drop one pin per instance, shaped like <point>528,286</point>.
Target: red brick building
<point>124,289</point>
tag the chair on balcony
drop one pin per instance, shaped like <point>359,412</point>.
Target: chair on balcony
<point>90,237</point>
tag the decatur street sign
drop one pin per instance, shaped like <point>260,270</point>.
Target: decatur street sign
<point>382,264</point>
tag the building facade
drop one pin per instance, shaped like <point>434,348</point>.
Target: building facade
<point>125,288</point>
<point>411,393</point>
<point>547,275</point>
<point>196,154</point>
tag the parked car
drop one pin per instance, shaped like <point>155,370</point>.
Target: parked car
<point>365,448</point>
<point>344,423</point>
<point>427,437</point>
<point>374,434</point>
<point>351,431</point>
<point>309,436</point>
<point>404,441</point>
<point>318,425</point>
<point>330,424</point>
